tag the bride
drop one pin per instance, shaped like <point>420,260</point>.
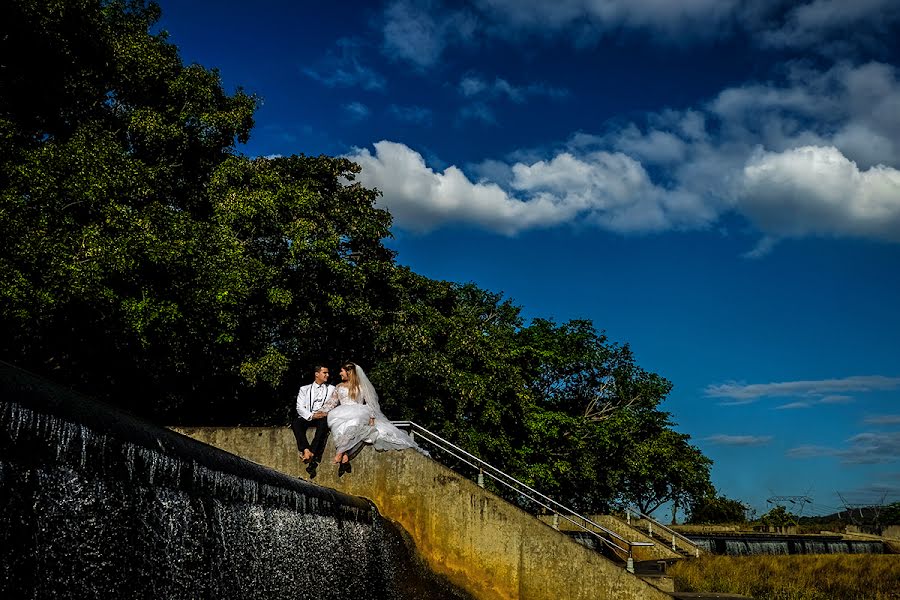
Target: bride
<point>355,419</point>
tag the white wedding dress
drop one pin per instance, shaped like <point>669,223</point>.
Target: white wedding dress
<point>349,418</point>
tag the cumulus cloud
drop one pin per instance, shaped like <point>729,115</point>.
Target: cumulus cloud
<point>816,190</point>
<point>814,391</point>
<point>814,155</point>
<point>609,190</point>
<point>739,440</point>
<point>863,448</point>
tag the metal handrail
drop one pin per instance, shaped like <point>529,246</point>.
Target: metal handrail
<point>637,512</point>
<point>530,493</point>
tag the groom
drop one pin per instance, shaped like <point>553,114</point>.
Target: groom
<point>310,399</point>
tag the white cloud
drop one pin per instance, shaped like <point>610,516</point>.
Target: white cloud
<point>418,32</point>
<point>816,401</point>
<point>883,420</point>
<point>793,405</point>
<point>863,448</point>
<point>344,68</point>
<point>693,18</point>
<point>420,198</point>
<point>609,190</point>
<point>477,111</point>
<point>411,114</point>
<point>739,440</point>
<point>815,390</point>
<point>472,85</point>
<point>816,155</point>
<point>815,190</point>
<point>809,23</point>
<point>357,110</point>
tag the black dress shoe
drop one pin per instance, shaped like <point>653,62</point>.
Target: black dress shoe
<point>311,469</point>
<point>344,468</point>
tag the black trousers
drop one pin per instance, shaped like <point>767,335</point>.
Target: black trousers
<point>300,426</point>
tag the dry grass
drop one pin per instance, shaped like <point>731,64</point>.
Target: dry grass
<point>794,577</point>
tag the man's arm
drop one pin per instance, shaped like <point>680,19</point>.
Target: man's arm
<point>302,397</point>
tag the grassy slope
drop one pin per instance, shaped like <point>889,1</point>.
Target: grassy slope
<point>795,577</point>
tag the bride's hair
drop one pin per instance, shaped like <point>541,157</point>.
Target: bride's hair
<point>352,379</point>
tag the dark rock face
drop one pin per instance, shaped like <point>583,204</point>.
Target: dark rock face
<point>97,504</point>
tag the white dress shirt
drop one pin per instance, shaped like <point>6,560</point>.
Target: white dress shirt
<point>311,397</point>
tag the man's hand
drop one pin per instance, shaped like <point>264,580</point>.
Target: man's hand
<point>319,414</point>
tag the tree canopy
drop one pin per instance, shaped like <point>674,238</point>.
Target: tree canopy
<point>145,261</point>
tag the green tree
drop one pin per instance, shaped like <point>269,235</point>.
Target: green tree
<point>144,260</point>
<point>778,516</point>
<point>141,259</point>
<point>715,509</point>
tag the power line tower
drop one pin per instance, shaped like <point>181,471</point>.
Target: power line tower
<point>795,500</point>
<point>875,509</point>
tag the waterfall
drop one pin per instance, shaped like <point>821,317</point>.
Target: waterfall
<point>736,544</point>
<point>95,504</point>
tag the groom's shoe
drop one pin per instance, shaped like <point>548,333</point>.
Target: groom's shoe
<point>311,469</point>
<point>344,468</point>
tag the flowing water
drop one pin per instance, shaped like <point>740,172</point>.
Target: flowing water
<point>759,544</point>
<point>96,504</point>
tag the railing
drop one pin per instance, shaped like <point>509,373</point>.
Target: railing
<point>611,539</point>
<point>651,522</point>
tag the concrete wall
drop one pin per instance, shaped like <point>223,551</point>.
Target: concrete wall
<point>482,543</point>
<point>657,551</point>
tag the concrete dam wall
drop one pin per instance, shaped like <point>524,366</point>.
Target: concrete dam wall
<point>480,542</point>
<point>97,504</point>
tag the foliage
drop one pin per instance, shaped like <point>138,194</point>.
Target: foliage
<point>890,514</point>
<point>145,261</point>
<point>795,577</point>
<point>142,260</point>
<point>778,516</point>
<point>715,509</point>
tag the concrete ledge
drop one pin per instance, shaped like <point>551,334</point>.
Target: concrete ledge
<point>483,544</point>
<point>658,551</point>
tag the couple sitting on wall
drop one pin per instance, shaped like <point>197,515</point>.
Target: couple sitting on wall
<point>352,413</point>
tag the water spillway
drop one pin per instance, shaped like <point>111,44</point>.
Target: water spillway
<point>750,543</point>
<point>97,504</point>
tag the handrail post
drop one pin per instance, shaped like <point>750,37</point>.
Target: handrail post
<point>629,563</point>
<point>628,516</point>
<point>674,549</point>
<point>480,478</point>
<point>650,527</point>
<point>556,521</point>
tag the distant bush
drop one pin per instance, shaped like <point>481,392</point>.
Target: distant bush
<point>717,510</point>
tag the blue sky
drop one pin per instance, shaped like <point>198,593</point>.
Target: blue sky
<point>714,182</point>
